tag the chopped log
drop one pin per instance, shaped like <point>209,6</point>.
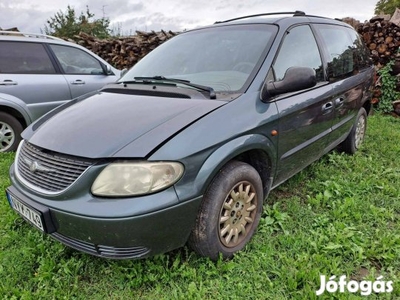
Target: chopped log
<point>382,37</point>
<point>382,48</point>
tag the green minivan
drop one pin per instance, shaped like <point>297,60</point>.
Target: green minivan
<point>186,146</point>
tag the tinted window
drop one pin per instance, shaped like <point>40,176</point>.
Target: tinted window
<point>345,50</point>
<point>361,53</point>
<point>223,58</point>
<point>299,49</point>
<point>76,61</point>
<point>24,58</point>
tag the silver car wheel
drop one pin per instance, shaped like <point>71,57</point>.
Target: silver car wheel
<point>360,131</point>
<point>7,136</point>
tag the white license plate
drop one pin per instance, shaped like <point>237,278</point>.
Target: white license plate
<point>29,214</point>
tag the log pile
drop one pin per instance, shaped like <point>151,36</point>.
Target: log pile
<point>382,37</point>
<point>124,52</point>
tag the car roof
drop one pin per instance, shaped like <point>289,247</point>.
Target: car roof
<point>281,18</point>
<point>32,37</point>
<point>16,36</point>
<point>25,35</point>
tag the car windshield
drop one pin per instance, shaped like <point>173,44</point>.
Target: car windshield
<point>223,58</point>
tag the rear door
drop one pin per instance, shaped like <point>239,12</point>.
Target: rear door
<point>83,72</point>
<point>346,72</point>
<point>305,117</point>
<point>27,72</point>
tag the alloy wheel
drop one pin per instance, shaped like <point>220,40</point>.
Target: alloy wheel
<point>7,136</point>
<point>237,214</point>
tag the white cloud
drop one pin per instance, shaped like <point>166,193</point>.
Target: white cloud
<point>31,16</point>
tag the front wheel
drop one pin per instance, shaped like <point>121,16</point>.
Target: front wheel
<point>230,212</point>
<point>10,132</point>
<point>356,136</point>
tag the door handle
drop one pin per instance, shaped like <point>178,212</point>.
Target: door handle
<point>327,107</point>
<point>339,102</point>
<point>8,82</point>
<point>78,82</point>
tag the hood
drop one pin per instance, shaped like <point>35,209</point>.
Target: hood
<point>117,125</point>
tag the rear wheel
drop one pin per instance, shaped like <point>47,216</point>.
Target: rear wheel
<point>356,136</point>
<point>229,213</point>
<point>10,132</point>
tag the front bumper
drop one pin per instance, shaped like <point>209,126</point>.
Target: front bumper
<point>126,237</point>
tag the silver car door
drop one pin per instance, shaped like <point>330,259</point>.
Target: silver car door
<point>27,72</point>
<point>83,71</point>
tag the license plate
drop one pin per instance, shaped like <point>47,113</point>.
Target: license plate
<point>26,212</point>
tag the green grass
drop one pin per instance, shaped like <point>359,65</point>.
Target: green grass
<point>338,216</point>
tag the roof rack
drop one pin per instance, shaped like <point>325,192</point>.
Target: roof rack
<point>296,13</point>
<point>25,34</point>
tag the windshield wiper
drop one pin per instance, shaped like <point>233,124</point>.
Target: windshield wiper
<point>208,89</point>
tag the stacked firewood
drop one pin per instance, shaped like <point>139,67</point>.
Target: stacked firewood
<point>382,37</point>
<point>124,52</point>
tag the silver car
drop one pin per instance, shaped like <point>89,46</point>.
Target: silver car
<point>39,73</point>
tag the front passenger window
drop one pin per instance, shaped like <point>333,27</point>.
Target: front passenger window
<point>299,49</point>
<point>76,61</point>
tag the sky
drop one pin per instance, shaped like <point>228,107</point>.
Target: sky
<point>127,16</point>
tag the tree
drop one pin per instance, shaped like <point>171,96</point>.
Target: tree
<point>386,7</point>
<point>66,25</point>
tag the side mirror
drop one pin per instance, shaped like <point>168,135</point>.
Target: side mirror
<point>123,72</point>
<point>296,79</point>
<point>108,69</point>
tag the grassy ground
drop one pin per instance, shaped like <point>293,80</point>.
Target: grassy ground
<point>340,216</point>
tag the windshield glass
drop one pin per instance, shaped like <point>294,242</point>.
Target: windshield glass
<point>222,58</point>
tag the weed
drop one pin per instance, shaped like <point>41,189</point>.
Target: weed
<point>388,88</point>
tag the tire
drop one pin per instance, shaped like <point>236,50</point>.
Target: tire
<point>229,213</point>
<point>356,136</point>
<point>10,132</point>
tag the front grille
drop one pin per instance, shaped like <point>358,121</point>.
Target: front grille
<point>48,171</point>
<point>101,250</point>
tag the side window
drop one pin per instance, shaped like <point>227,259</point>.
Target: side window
<point>76,61</point>
<point>24,58</point>
<point>343,50</point>
<point>299,49</point>
<point>361,53</point>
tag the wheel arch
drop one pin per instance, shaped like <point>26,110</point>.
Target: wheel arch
<point>261,161</point>
<point>15,113</point>
<point>16,108</point>
<point>367,106</point>
<point>256,150</point>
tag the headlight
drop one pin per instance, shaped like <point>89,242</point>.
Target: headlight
<point>132,179</point>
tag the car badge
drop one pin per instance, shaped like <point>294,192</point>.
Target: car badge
<point>34,166</point>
